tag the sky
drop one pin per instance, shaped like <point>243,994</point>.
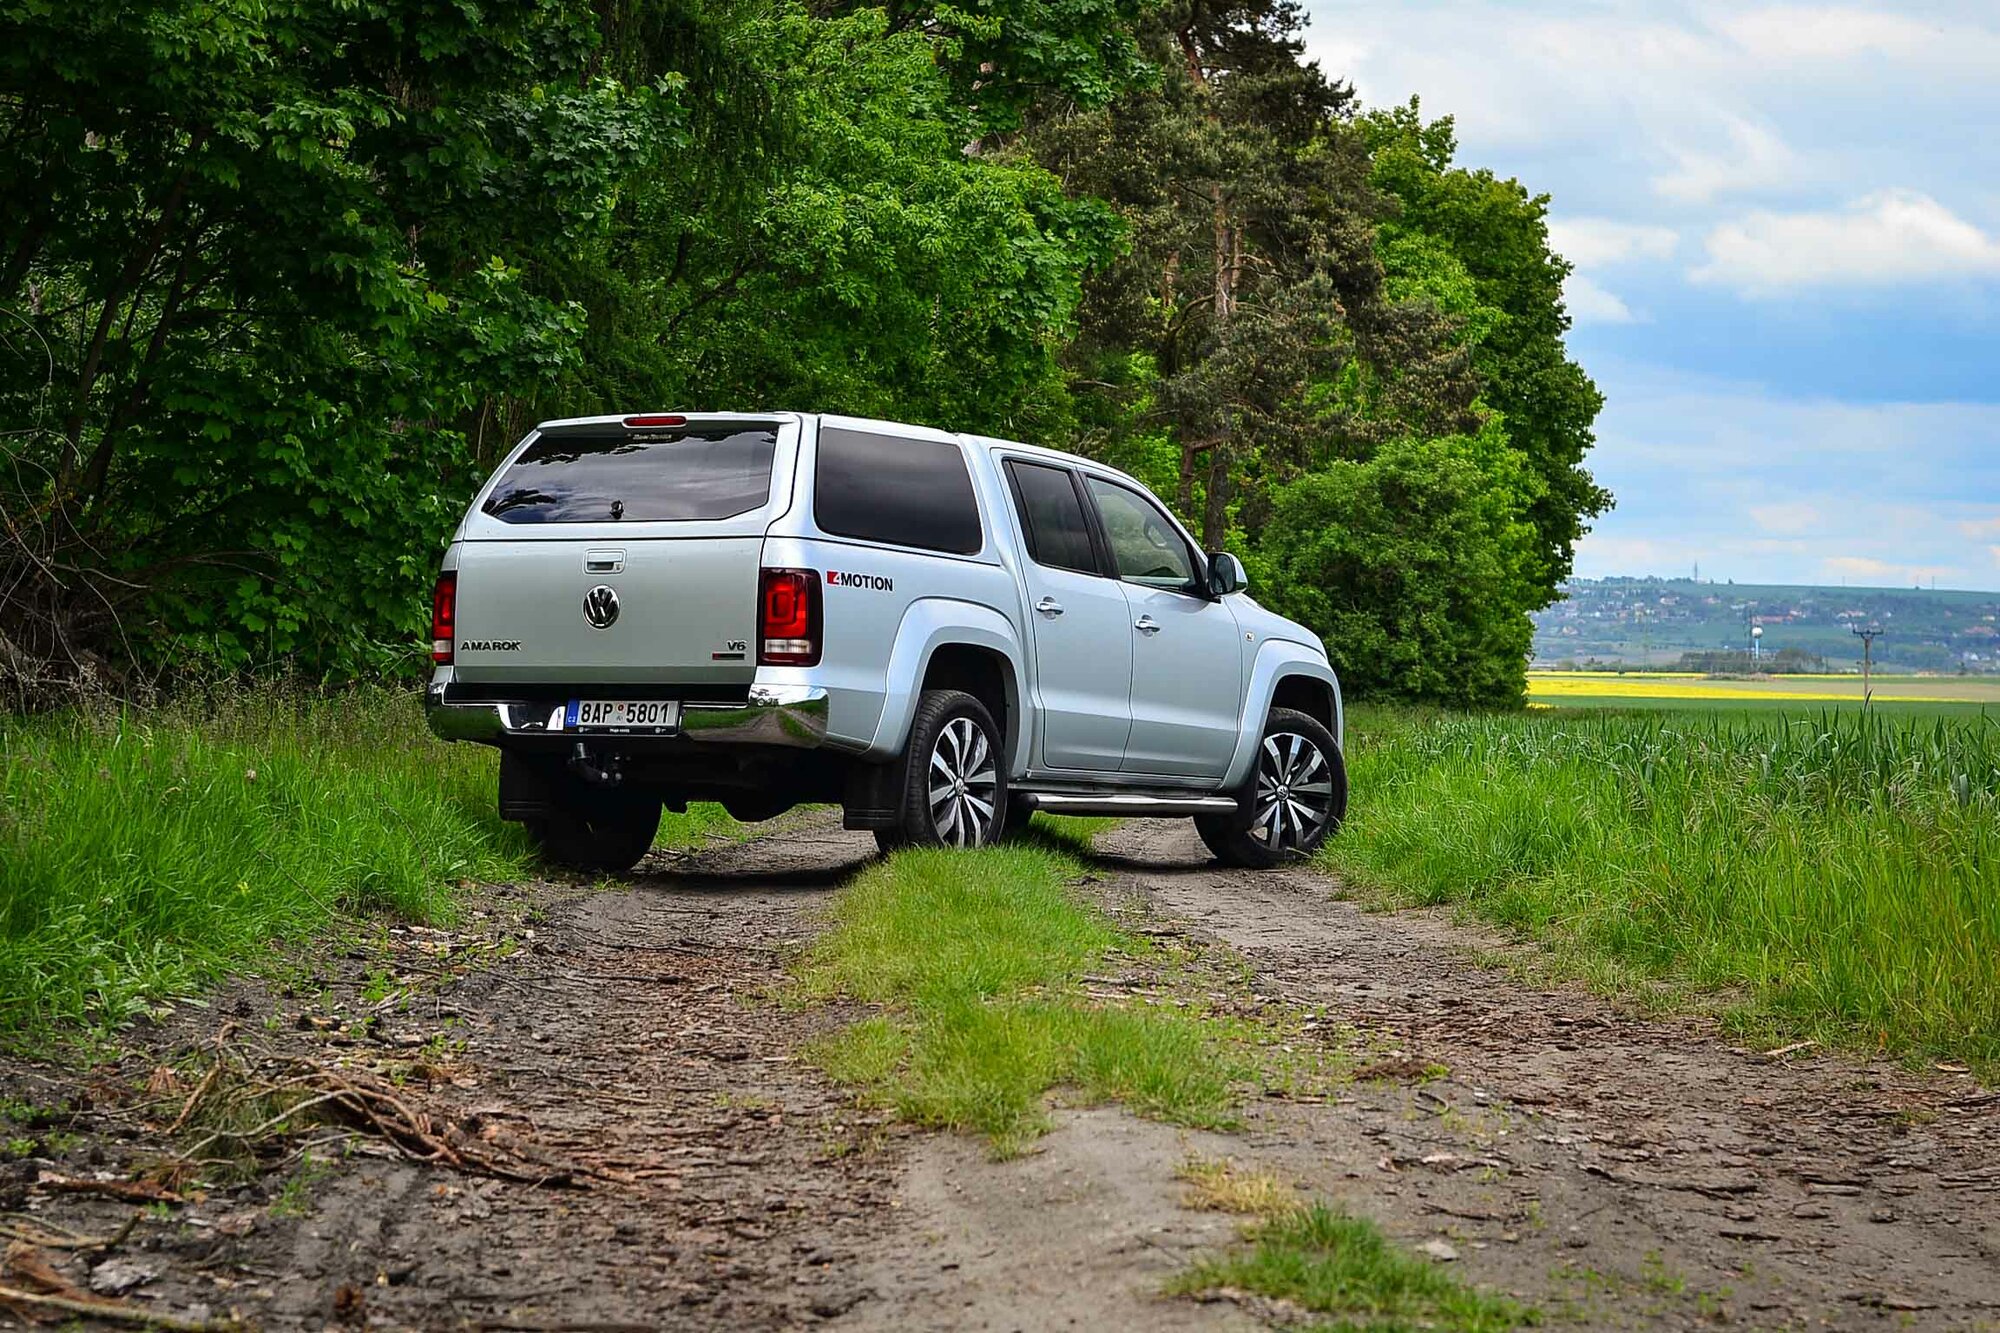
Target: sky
<point>1785,222</point>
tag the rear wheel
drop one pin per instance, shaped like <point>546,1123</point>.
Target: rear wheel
<point>954,780</point>
<point>1296,797</point>
<point>609,841</point>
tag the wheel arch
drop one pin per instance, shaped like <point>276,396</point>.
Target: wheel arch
<point>944,643</point>
<point>1285,675</point>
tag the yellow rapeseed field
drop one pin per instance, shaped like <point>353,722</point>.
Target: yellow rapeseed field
<point>1557,686</point>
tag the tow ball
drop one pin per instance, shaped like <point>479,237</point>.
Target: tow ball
<point>605,772</point>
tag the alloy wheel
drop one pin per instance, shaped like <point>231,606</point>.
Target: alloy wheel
<point>964,785</point>
<point>1294,797</point>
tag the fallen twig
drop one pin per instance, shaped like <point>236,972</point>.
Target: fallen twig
<point>44,1235</point>
<point>131,1191</point>
<point>365,1103</point>
<point>118,1311</point>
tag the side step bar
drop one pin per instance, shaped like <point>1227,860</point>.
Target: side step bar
<point>1130,805</point>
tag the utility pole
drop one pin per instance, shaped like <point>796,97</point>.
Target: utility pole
<point>1867,637</point>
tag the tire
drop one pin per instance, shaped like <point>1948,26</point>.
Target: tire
<point>609,841</point>
<point>1294,799</point>
<point>954,783</point>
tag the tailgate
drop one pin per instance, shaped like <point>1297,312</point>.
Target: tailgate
<point>679,611</point>
<point>622,552</point>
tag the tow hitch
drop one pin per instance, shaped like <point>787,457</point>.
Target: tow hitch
<point>607,772</point>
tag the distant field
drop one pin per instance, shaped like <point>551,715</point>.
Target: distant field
<point>1588,689</point>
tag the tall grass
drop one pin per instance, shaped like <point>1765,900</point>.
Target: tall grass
<point>1840,872</point>
<point>143,854</point>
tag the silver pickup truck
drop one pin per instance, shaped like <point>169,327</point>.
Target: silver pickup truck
<point>941,633</point>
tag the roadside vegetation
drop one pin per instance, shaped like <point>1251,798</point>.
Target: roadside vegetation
<point>146,853</point>
<point>978,960</point>
<point>1836,875</point>
<point>1329,1262</point>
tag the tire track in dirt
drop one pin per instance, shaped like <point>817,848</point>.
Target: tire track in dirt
<point>1617,1170</point>
<point>640,1040</point>
<point>636,1036</point>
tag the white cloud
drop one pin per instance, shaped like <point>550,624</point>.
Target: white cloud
<point>1888,572</point>
<point>1789,517</point>
<point>1893,236</point>
<point>1589,303</point>
<point>1751,159</point>
<point>1948,42</point>
<point>1603,554</point>
<point>1821,32</point>
<point>1599,242</point>
<point>1981,527</point>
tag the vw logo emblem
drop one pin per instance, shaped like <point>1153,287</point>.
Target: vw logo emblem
<point>600,606</point>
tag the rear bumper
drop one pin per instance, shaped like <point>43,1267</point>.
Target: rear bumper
<point>785,716</point>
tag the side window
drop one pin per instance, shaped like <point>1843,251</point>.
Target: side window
<point>882,488</point>
<point>1052,516</point>
<point>1145,546</point>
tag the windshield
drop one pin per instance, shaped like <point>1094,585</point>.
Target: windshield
<point>607,473</point>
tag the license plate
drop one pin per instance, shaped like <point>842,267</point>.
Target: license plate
<point>630,715</point>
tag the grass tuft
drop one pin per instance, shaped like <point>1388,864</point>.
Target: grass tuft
<point>1330,1263</point>
<point>1218,1186</point>
<point>977,957</point>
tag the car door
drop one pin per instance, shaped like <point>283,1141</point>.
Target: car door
<point>1187,654</point>
<point>1080,624</point>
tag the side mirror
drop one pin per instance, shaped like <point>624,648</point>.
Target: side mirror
<point>1226,574</point>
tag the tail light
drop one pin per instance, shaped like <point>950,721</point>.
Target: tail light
<point>789,618</point>
<point>444,611</point>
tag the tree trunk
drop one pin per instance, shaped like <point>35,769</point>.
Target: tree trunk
<point>1215,511</point>
<point>1228,257</point>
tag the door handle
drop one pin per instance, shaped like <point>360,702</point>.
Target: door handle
<point>1049,606</point>
<point>1146,625</point>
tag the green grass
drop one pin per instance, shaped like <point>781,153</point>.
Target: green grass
<point>1833,874</point>
<point>146,854</point>
<point>977,958</point>
<point>1344,1268</point>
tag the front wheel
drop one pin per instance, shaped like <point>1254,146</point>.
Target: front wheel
<point>954,776</point>
<point>1296,797</point>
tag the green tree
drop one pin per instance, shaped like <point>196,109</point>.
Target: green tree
<point>875,267</point>
<point>1416,565</point>
<point>1498,235</point>
<point>258,255</point>
<point>1248,330</point>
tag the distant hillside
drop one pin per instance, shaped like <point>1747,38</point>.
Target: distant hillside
<point>1654,621</point>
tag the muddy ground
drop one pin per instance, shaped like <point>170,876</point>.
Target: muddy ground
<point>628,1050</point>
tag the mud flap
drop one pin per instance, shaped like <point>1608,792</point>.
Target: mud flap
<point>872,796</point>
<point>528,790</point>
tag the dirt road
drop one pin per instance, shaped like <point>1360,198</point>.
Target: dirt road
<point>1614,1171</point>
